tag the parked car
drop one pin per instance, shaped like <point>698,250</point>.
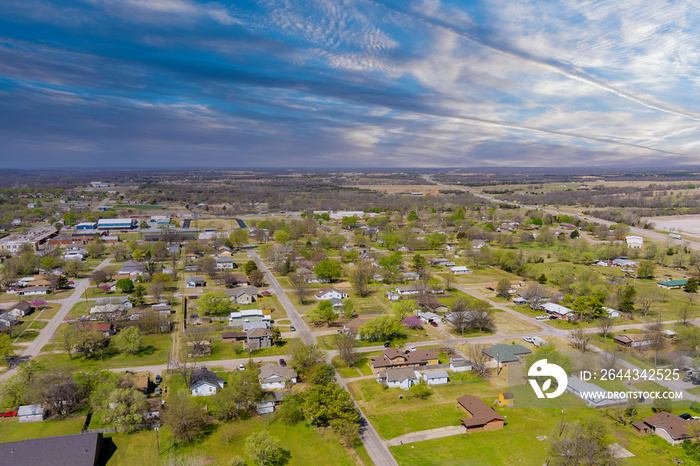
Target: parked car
<point>157,391</point>
<point>686,416</point>
<point>528,339</point>
<point>412,348</point>
<point>553,317</point>
<point>542,317</point>
<point>283,363</point>
<point>8,413</point>
<point>291,328</point>
<point>433,323</point>
<point>158,379</point>
<point>241,367</point>
<point>387,344</point>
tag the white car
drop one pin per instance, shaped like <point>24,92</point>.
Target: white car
<point>412,348</point>
<point>528,339</point>
<point>542,317</point>
<point>241,367</point>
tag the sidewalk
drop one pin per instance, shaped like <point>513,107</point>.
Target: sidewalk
<point>426,435</point>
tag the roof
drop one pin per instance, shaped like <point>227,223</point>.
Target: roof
<point>674,283</point>
<point>274,373</point>
<point>418,356</point>
<point>225,335</point>
<point>98,326</point>
<point>480,412</point>
<point>326,289</point>
<point>401,373</point>
<point>250,290</point>
<point>76,450</point>
<point>590,393</point>
<point>506,353</point>
<point>556,308</point>
<point>259,333</point>
<point>632,337</point>
<point>440,374</point>
<point>22,306</point>
<point>30,410</point>
<point>355,324</point>
<point>677,427</point>
<point>196,279</point>
<point>200,376</point>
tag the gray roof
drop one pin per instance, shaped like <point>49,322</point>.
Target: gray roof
<point>75,450</point>
<point>506,353</point>
<point>439,374</point>
<point>199,376</point>
<point>274,373</point>
<point>30,410</point>
<point>401,373</point>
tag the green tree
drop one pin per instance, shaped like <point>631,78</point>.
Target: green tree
<point>403,308</point>
<point>381,328</point>
<point>215,303</point>
<point>419,264</point>
<point>626,299</point>
<point>239,237</point>
<point>323,374</point>
<point>291,412</point>
<point>249,267</point>
<point>692,285</point>
<point>646,269</point>
<point>5,345</point>
<point>138,295</point>
<point>503,288</point>
<point>328,269</point>
<point>348,308</point>
<point>420,390</point>
<point>266,449</point>
<point>323,313</point>
<point>129,339</point>
<point>124,407</point>
<point>329,402</point>
<point>69,218</point>
<point>390,265</point>
<point>159,251</point>
<point>305,357</point>
<point>125,285</point>
<point>281,237</point>
<point>184,417</point>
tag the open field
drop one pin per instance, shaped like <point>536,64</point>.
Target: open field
<point>677,223</point>
<point>400,188</point>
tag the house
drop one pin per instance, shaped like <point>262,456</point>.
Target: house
<point>247,295</point>
<point>428,317</point>
<point>403,378</point>
<point>75,450</point>
<point>393,358</point>
<point>352,327</point>
<point>478,244</point>
<point>30,413</point>
<point>431,303</point>
<point>265,406</point>
<point>506,399</point>
<point>329,293</point>
<point>131,267</point>
<point>672,428</point>
<point>672,284</point>
<point>410,276</point>
<point>152,410</point>
<point>592,394</point>
<point>264,324</point>
<point>105,328</point>
<point>642,427</point>
<point>559,311</point>
<point>273,377</point>
<point>223,251</point>
<point>35,290</point>
<point>163,309</point>
<point>259,338</point>
<point>611,312</point>
<point>407,290</point>
<point>142,382</point>
<point>391,296</point>
<point>230,337</point>
<point>121,301</point>
<point>461,270</point>
<point>438,377</point>
<point>633,340</point>
<point>634,242</point>
<point>437,261</point>
<point>224,263</point>
<point>20,309</point>
<point>204,382</point>
<point>193,282</point>
<point>237,318</point>
<point>7,319</point>
<point>106,309</point>
<point>458,364</point>
<point>481,416</point>
<point>238,279</point>
<point>506,353</point>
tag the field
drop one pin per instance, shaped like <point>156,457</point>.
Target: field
<point>677,223</point>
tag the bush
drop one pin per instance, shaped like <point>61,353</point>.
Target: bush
<point>413,322</point>
<point>695,406</point>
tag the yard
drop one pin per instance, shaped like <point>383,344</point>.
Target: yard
<point>11,430</point>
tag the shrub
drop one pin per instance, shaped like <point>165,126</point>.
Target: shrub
<point>412,322</point>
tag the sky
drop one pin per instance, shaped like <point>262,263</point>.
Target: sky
<point>349,83</point>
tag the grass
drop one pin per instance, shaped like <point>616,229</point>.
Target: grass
<point>11,430</point>
<point>395,424</point>
<point>48,312</point>
<point>154,351</point>
<point>306,445</point>
<point>80,309</point>
<point>221,351</point>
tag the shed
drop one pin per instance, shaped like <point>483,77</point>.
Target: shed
<point>30,413</point>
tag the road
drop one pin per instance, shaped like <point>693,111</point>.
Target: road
<point>376,448</point>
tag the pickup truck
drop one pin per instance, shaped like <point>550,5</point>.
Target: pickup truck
<point>8,414</point>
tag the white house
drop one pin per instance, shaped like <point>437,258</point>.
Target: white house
<point>193,282</point>
<point>558,311</point>
<point>329,293</point>
<point>30,413</point>
<point>459,365</point>
<point>204,382</point>
<point>611,312</point>
<point>428,317</point>
<point>439,377</point>
<point>460,270</point>
<point>35,290</point>
<point>391,296</point>
<point>265,407</point>
<point>407,290</point>
<point>634,242</point>
<point>403,378</point>
<point>274,377</point>
<point>224,263</point>
<point>238,318</point>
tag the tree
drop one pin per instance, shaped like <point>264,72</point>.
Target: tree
<point>348,308</point>
<point>657,339</point>
<point>582,442</point>
<point>184,417</point>
<point>329,402</point>
<point>323,313</point>
<point>301,288</point>
<point>581,339</point>
<point>327,269</point>
<point>276,335</point>
<point>419,264</point>
<point>129,339</point>
<point>403,308</point>
<point>685,312</point>
<point>646,300</point>
<point>291,410</point>
<point>359,279</point>
<point>281,237</point>
<point>304,356</point>
<point>249,266</point>
<point>124,407</point>
<point>420,390</point>
<point>627,413</point>
<point>159,251</point>
<point>381,328</point>
<point>662,402</point>
<point>645,269</point>
<point>348,432</point>
<point>215,303</point>
<point>266,449</point>
<point>256,278</point>
<point>503,288</point>
<point>239,237</point>
<point>604,324</point>
<point>626,299</point>
<point>95,249</point>
<point>412,322</point>
<point>125,285</point>
<point>390,265</point>
<point>479,360</point>
<point>534,292</point>
<point>156,289</point>
<point>209,266</point>
<point>459,320</point>
<point>138,295</point>
<point>692,285</point>
<point>6,348</point>
<point>99,276</point>
<point>323,374</point>
<point>346,345</point>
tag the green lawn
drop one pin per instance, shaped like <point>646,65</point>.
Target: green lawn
<point>221,350</point>
<point>305,444</point>
<point>398,423</point>
<point>154,350</point>
<point>80,309</point>
<point>11,430</point>
<point>48,312</point>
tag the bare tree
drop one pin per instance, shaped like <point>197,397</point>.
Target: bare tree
<point>479,359</point>
<point>198,343</point>
<point>157,289</point>
<point>581,339</point>
<point>346,346</point>
<point>656,337</point>
<point>610,359</point>
<point>534,292</point>
<point>625,414</point>
<point>604,324</point>
<point>301,288</point>
<point>686,312</point>
<point>459,320</point>
<point>645,300</point>
<point>359,279</point>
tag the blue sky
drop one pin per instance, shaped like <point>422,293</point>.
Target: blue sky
<point>335,83</point>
